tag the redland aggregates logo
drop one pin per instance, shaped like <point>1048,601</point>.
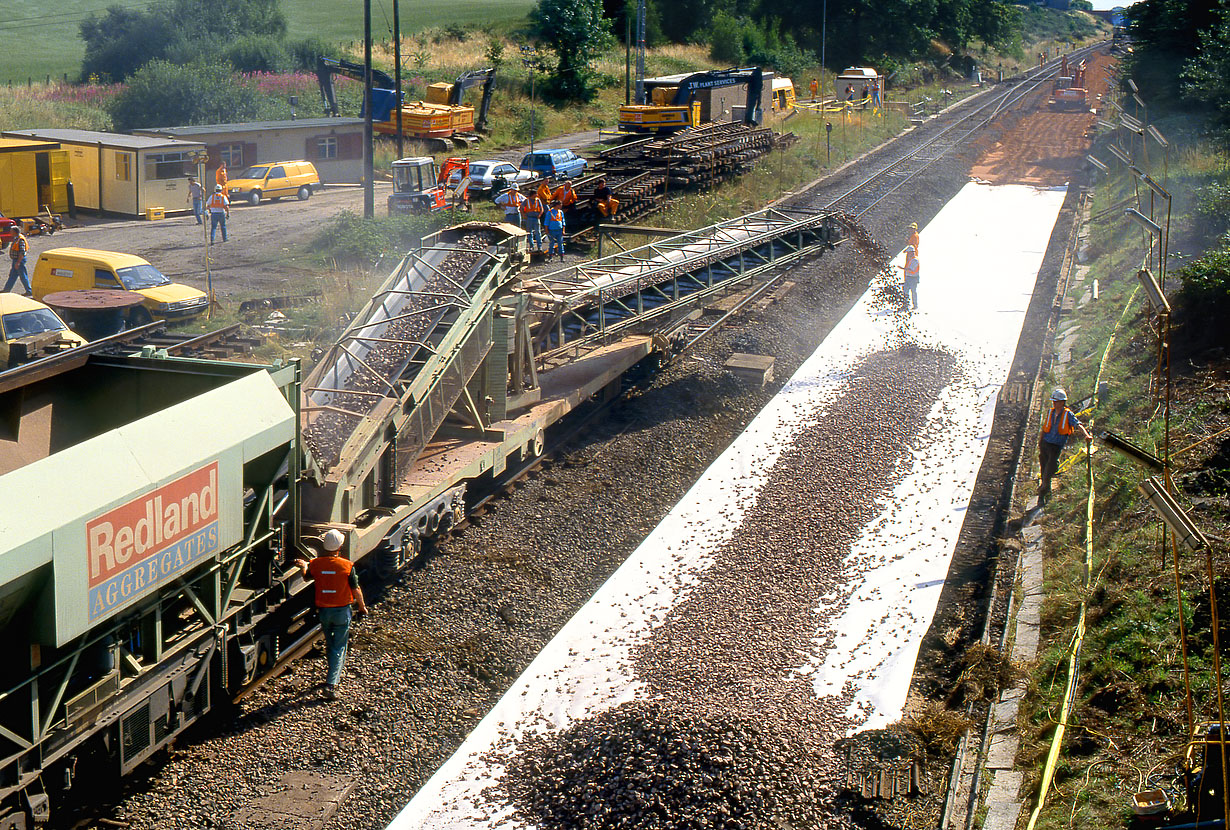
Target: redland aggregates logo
<point>150,538</point>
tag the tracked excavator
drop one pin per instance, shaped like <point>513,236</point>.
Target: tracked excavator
<point>675,107</point>
<point>442,121</point>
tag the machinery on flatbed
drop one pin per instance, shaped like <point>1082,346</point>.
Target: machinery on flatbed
<point>1068,91</point>
<point>159,579</point>
<point>441,121</point>
<point>674,107</point>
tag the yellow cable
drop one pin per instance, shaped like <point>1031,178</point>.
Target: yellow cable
<point>1069,695</point>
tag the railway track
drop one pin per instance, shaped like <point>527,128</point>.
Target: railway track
<point>917,150</point>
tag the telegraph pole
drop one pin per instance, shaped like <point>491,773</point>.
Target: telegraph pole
<point>397,74</point>
<point>369,193</point>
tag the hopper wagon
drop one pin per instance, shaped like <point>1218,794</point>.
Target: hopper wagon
<point>153,504</point>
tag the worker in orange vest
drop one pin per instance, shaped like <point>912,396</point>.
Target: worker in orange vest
<point>554,221</point>
<point>219,208</point>
<point>1058,426</point>
<point>911,269</point>
<point>337,588</point>
<point>814,86</point>
<point>220,176</point>
<point>545,192</point>
<point>532,210</point>
<point>913,240</point>
<point>510,199</point>
<point>565,195</point>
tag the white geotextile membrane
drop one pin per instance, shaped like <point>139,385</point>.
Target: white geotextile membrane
<point>979,260</point>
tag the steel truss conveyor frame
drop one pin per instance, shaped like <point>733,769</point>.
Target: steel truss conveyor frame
<point>590,304</point>
<point>423,388</point>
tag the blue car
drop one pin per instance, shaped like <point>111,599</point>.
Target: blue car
<point>560,164</point>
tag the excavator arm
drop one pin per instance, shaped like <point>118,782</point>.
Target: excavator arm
<point>753,77</point>
<point>486,77</point>
<point>326,68</point>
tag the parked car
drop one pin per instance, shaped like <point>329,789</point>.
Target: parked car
<point>22,317</point>
<point>275,180</point>
<point>70,269</point>
<point>490,175</point>
<point>562,164</point>
<point>8,230</point>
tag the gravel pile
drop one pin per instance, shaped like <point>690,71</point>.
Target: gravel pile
<point>328,431</point>
<point>645,766</point>
<point>729,653</point>
<point>446,639</point>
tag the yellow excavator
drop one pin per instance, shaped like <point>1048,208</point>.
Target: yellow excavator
<point>442,121</point>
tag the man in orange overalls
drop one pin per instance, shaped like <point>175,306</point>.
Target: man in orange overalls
<point>337,587</point>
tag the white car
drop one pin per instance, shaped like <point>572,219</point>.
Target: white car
<point>485,174</point>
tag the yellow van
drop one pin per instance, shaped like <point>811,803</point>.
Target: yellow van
<point>71,269</point>
<point>783,95</point>
<point>39,330</point>
<point>273,181</point>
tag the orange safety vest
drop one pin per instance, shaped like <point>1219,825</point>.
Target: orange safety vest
<point>532,206</point>
<point>332,577</point>
<point>914,240</point>
<point>217,202</point>
<point>1065,425</point>
<point>220,176</point>
<point>510,199</point>
<point>19,247</point>
<point>566,195</point>
<point>911,268</point>
<point>544,191</point>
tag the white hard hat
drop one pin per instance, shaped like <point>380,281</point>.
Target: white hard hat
<point>909,249</point>
<point>1059,395</point>
<point>217,188</point>
<point>333,540</point>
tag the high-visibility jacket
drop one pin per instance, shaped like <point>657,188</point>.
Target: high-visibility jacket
<point>220,176</point>
<point>532,206</point>
<point>333,577</point>
<point>914,240</point>
<point>218,202</point>
<point>814,87</point>
<point>565,195</point>
<point>19,247</point>
<point>1067,420</point>
<point>911,268</point>
<point>510,200</point>
<point>544,191</point>
<point>554,219</point>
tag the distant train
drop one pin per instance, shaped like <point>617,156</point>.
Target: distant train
<point>152,504</point>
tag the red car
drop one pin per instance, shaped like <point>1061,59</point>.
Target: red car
<point>8,230</point>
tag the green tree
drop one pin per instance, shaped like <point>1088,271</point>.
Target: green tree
<point>1207,75</point>
<point>162,93</point>
<point>119,41</point>
<point>577,33</point>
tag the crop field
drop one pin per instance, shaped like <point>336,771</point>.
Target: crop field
<point>42,41</point>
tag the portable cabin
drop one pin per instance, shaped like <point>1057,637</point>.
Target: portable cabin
<point>858,77</point>
<point>125,174</point>
<point>333,145</point>
<point>33,174</point>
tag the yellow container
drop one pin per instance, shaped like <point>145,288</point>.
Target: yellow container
<point>153,213</point>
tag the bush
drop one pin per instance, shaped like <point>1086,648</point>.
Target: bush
<point>305,52</point>
<point>163,93</point>
<point>259,53</point>
<point>526,119</point>
<point>1206,283</point>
